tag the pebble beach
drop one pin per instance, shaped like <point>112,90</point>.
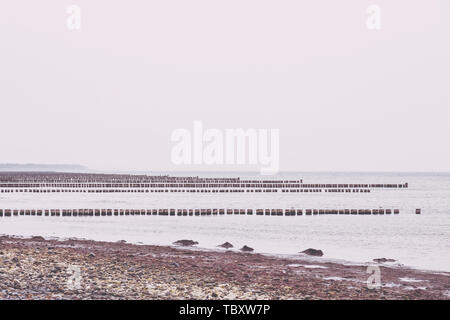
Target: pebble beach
<point>36,268</point>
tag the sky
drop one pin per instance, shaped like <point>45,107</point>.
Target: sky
<point>110,95</point>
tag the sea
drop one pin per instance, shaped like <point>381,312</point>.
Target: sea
<point>417,241</point>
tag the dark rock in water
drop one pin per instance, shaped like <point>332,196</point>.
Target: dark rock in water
<point>383,260</point>
<point>185,243</point>
<point>226,245</point>
<point>121,241</point>
<point>246,249</point>
<point>313,252</point>
<point>37,238</point>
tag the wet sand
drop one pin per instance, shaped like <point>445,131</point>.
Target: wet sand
<point>35,268</point>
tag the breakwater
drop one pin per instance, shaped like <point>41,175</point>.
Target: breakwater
<point>190,212</point>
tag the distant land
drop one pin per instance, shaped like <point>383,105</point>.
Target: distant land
<point>42,167</point>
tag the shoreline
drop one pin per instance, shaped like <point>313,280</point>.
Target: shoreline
<point>217,249</point>
<point>36,268</point>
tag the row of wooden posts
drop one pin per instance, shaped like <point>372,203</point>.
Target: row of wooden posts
<point>62,177</point>
<point>240,185</point>
<point>182,190</point>
<point>191,212</point>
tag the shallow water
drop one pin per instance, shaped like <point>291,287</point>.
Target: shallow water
<point>421,241</point>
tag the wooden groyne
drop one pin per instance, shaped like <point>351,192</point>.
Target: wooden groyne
<point>166,188</point>
<point>34,182</point>
<point>187,190</point>
<point>261,185</point>
<point>190,212</point>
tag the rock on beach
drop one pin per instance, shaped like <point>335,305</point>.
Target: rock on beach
<point>226,245</point>
<point>313,252</point>
<point>246,249</point>
<point>185,243</point>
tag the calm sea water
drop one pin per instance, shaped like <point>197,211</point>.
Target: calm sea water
<point>420,241</point>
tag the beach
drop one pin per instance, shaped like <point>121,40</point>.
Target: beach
<point>36,268</point>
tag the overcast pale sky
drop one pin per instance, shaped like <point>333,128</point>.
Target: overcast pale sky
<point>109,95</point>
